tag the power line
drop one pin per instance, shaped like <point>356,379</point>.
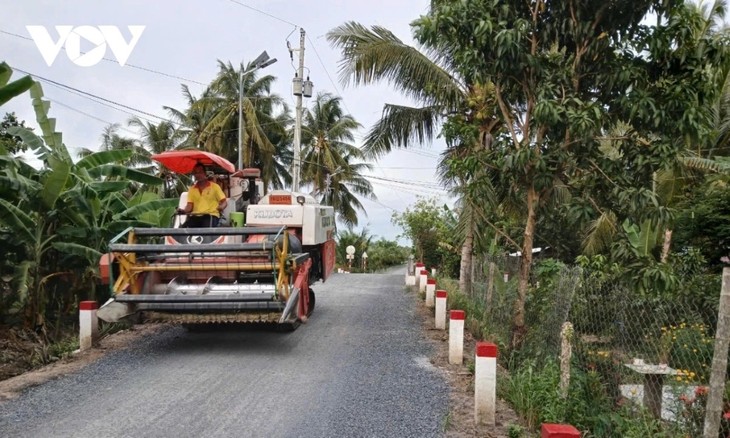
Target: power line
<point>50,81</point>
<point>263,12</point>
<point>149,70</point>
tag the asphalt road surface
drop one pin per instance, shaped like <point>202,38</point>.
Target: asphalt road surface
<point>358,368</point>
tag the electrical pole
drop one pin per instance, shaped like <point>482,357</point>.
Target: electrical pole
<point>297,163</point>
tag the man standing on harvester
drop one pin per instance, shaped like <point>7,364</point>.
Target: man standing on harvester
<point>206,201</point>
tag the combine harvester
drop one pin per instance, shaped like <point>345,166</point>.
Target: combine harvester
<point>234,273</point>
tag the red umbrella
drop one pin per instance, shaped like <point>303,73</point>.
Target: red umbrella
<point>184,161</point>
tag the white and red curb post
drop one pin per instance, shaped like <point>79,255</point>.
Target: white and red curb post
<point>417,274</point>
<point>433,272</point>
<point>440,309</point>
<point>456,337</point>
<point>423,278</point>
<point>485,383</point>
<point>88,324</point>
<point>430,291</point>
<point>548,430</point>
<point>410,279</point>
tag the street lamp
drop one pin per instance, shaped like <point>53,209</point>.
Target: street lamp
<point>262,61</point>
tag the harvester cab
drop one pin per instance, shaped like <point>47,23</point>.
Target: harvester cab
<point>257,266</point>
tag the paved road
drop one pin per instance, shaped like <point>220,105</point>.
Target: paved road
<point>359,368</point>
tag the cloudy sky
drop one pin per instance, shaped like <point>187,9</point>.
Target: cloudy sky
<point>182,42</point>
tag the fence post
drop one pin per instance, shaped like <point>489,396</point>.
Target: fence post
<point>713,411</point>
<point>566,335</point>
<point>88,324</point>
<point>456,337</point>
<point>430,290</point>
<point>485,383</point>
<point>440,309</point>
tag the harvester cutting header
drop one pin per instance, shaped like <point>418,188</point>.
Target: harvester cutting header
<point>232,253</point>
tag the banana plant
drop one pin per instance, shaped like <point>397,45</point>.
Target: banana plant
<point>8,90</point>
<point>58,219</point>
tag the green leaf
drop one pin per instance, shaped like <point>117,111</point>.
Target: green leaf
<point>86,252</point>
<point>104,157</point>
<point>22,280</point>
<point>15,88</point>
<point>124,172</point>
<point>138,210</point>
<point>20,224</point>
<point>29,138</point>
<point>55,181</point>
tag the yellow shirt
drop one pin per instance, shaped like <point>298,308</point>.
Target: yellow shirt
<point>206,201</point>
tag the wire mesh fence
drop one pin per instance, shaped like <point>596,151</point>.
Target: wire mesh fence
<point>620,337</point>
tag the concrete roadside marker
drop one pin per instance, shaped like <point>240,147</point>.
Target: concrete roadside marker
<point>430,290</point>
<point>485,383</point>
<point>417,275</point>
<point>88,324</point>
<point>440,309</point>
<point>422,280</point>
<point>456,337</point>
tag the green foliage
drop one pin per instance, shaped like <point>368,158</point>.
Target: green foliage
<point>515,431</point>
<point>383,254</point>
<point>534,394</point>
<point>702,223</point>
<point>56,221</point>
<point>8,142</point>
<point>427,226</point>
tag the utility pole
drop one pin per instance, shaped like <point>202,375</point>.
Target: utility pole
<point>300,88</point>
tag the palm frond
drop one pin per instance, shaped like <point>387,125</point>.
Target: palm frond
<point>400,126</point>
<point>600,233</point>
<point>373,55</point>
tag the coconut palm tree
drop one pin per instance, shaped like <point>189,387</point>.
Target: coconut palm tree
<point>431,80</point>
<point>260,117</point>
<point>192,121</point>
<point>329,158</point>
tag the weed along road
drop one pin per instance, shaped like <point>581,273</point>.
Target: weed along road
<point>358,368</point>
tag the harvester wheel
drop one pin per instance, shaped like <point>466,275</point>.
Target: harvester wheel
<point>311,302</point>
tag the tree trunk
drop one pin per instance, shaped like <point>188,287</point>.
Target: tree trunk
<point>466,260</point>
<point>518,322</point>
<point>667,245</point>
<point>490,285</point>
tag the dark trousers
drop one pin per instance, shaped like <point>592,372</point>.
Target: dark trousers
<point>201,221</point>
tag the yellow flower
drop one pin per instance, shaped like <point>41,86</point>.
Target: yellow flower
<point>679,379</point>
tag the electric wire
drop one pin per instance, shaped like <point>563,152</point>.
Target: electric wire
<point>263,12</point>
<point>138,67</point>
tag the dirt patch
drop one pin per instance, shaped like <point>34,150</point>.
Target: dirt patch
<point>10,388</point>
<point>461,381</point>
